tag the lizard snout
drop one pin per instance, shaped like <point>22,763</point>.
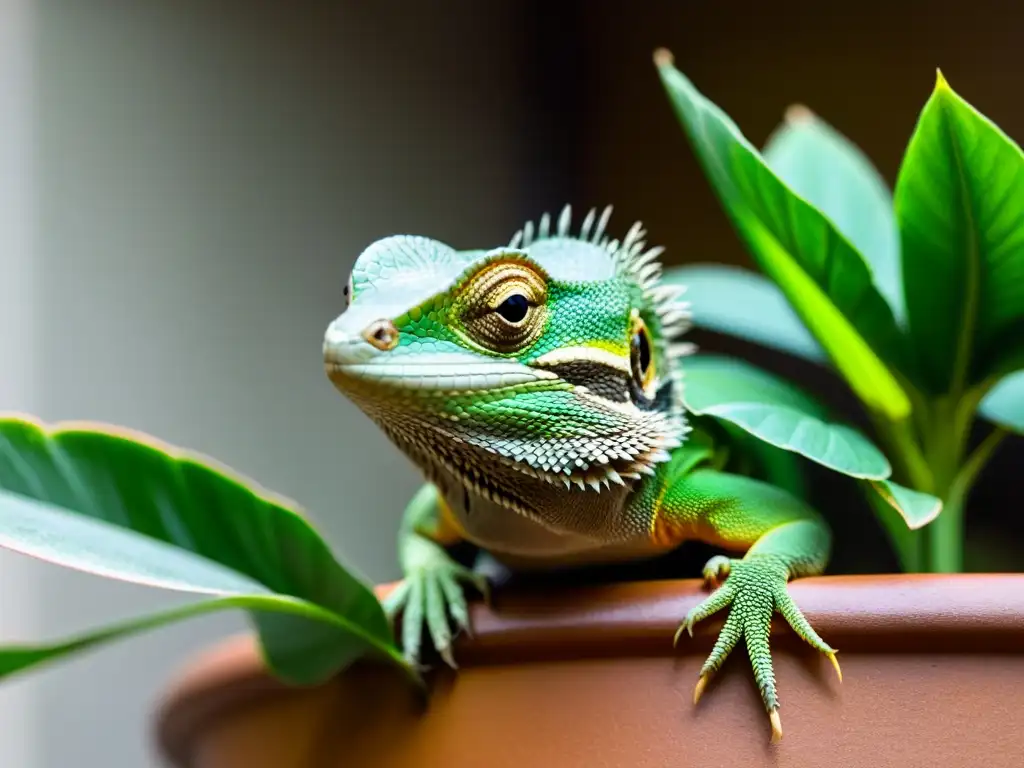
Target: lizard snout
<point>355,343</point>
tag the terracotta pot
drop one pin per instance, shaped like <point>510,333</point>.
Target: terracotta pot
<point>933,676</point>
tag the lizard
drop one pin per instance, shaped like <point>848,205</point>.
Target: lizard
<point>538,387</point>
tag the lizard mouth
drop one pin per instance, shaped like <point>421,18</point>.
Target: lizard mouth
<point>437,372</point>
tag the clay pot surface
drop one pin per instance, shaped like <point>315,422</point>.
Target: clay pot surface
<point>587,678</point>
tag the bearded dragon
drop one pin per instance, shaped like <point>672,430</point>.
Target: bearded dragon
<point>538,387</point>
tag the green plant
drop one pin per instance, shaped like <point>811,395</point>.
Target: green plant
<point>121,505</point>
<point>915,297</point>
<point>818,221</point>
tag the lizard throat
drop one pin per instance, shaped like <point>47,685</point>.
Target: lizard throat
<point>506,470</point>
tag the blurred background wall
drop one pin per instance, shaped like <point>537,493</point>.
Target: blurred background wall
<point>19,577</point>
<point>184,186</point>
<point>205,175</point>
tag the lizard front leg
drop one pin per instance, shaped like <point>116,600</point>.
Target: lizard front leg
<point>783,537</point>
<point>431,590</point>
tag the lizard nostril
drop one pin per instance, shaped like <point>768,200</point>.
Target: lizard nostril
<point>382,334</point>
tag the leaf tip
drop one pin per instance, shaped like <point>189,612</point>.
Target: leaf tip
<point>940,81</point>
<point>663,58</point>
<point>929,516</point>
<point>798,114</point>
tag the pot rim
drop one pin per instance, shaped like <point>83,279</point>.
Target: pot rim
<point>863,613</point>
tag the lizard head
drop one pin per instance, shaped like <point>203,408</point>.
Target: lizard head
<point>554,356</point>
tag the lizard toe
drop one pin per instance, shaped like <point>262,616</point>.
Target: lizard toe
<point>431,601</point>
<point>716,570</point>
<point>753,591</point>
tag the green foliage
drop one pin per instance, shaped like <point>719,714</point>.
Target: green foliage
<point>780,414</point>
<point>959,203</point>
<point>741,303</point>
<point>1004,404</point>
<point>784,416</point>
<point>824,167</point>
<point>122,506</point>
<point>902,511</point>
<point>826,281</point>
<point>917,509</point>
<point>916,298</point>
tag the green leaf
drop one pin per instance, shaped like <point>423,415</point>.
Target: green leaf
<point>775,466</point>
<point>915,508</point>
<point>1004,403</point>
<point>745,304</point>
<point>825,280</point>
<point>778,413</point>
<point>123,506</point>
<point>905,543</point>
<point>960,207</point>
<point>902,511</point>
<point>829,171</point>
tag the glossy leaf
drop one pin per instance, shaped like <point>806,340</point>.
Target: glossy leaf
<point>745,304</point>
<point>123,506</point>
<point>756,458</point>
<point>779,414</point>
<point>916,509</point>
<point>822,276</point>
<point>1004,404</point>
<point>829,171</point>
<point>959,203</point>
<point>902,511</point>
<point>905,543</point>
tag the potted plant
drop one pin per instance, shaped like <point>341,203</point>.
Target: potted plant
<point>578,677</point>
<point>911,296</point>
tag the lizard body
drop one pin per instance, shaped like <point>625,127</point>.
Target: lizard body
<point>538,386</point>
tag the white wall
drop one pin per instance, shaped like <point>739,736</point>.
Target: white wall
<point>207,173</point>
<point>19,744</point>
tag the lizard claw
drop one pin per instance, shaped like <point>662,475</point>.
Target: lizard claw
<point>446,654</point>
<point>684,627</point>
<point>716,570</point>
<point>753,590</point>
<point>432,597</point>
<point>776,721</point>
<point>698,690</point>
<point>835,665</point>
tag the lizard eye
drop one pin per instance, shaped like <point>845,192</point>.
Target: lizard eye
<point>504,307</point>
<point>640,358</point>
<point>514,308</point>
<point>346,292</point>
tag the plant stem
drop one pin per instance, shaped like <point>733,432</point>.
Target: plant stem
<point>944,538</point>
<point>931,459</point>
<point>912,468</point>
<point>978,459</point>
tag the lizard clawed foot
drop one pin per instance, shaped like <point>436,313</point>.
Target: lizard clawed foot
<point>716,570</point>
<point>753,589</point>
<point>433,597</point>
<point>773,714</point>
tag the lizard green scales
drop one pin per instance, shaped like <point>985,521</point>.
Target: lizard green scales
<point>538,386</point>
